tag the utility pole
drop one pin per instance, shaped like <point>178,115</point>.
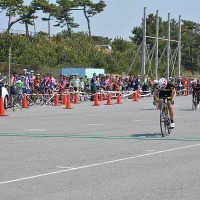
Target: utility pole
<point>156,50</point>
<point>168,47</point>
<point>144,44</point>
<point>9,61</point>
<point>179,47</point>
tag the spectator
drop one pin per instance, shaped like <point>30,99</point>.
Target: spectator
<point>93,84</point>
<point>27,80</point>
<point>31,79</point>
<point>50,81</point>
<point>87,83</point>
<point>145,84</point>
<point>75,82</point>
<point>37,82</point>
<point>82,85</point>
<point>14,78</point>
<point>24,72</point>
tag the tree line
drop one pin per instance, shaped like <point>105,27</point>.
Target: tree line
<point>70,49</point>
<point>61,12</point>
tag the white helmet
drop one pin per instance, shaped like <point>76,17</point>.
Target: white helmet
<point>155,82</point>
<point>162,84</point>
<point>194,82</point>
<point>19,81</point>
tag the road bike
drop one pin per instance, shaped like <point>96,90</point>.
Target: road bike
<point>15,100</point>
<point>195,100</point>
<point>164,118</point>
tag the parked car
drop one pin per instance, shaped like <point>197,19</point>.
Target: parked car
<point>5,95</point>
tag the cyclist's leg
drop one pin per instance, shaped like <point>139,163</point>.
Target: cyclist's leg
<point>11,100</point>
<point>193,93</point>
<point>171,95</point>
<point>159,103</point>
<point>160,95</point>
<point>171,110</point>
<point>171,113</point>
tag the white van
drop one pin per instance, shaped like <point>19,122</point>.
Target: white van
<point>5,96</point>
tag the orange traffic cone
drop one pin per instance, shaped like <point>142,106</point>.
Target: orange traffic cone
<point>135,96</point>
<point>118,99</point>
<point>76,101</point>
<point>109,100</point>
<point>56,103</point>
<point>100,96</point>
<point>185,91</point>
<point>2,110</point>
<point>96,100</point>
<point>68,104</point>
<point>24,101</point>
<point>64,99</point>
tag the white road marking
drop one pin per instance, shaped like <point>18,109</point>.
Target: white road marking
<point>38,129</point>
<point>97,164</point>
<point>95,124</point>
<point>150,150</point>
<point>61,167</point>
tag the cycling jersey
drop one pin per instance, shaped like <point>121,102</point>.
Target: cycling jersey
<point>196,88</point>
<point>167,92</point>
<point>37,82</point>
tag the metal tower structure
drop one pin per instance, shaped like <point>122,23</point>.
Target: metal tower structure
<point>143,45</point>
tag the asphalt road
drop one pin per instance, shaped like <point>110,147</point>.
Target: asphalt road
<point>105,152</point>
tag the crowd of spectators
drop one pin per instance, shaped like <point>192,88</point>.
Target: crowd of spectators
<point>73,82</point>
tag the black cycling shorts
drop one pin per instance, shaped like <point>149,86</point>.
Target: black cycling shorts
<point>167,94</point>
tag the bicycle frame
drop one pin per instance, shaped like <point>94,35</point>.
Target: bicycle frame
<point>195,100</point>
<point>164,118</point>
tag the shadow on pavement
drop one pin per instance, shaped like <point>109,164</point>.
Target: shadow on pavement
<point>188,109</point>
<point>152,135</point>
<point>149,109</point>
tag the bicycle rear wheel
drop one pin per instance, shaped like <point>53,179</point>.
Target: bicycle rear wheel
<point>163,123</point>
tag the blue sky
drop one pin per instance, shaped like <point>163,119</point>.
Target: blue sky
<point>120,16</point>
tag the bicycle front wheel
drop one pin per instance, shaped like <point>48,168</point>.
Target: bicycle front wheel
<point>19,99</point>
<point>193,105</point>
<point>168,124</point>
<point>196,101</point>
<point>163,123</point>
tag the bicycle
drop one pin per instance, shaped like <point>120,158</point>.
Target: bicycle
<point>164,117</point>
<point>195,100</point>
<point>16,100</point>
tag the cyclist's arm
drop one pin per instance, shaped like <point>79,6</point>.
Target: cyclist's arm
<point>173,94</point>
<point>155,93</point>
<point>196,88</point>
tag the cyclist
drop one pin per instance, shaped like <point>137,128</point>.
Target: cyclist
<point>50,82</point>
<point>195,88</point>
<point>166,89</point>
<point>13,87</point>
<point>36,84</point>
<point>153,88</point>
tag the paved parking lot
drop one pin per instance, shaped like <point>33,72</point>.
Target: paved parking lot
<point>99,152</point>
